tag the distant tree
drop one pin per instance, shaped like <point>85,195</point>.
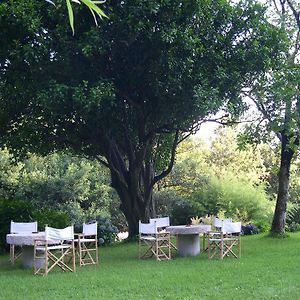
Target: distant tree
<point>128,92</point>
<point>277,97</point>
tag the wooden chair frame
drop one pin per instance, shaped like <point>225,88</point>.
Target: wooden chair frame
<point>225,243</point>
<point>161,224</point>
<point>153,243</point>
<point>87,245</point>
<point>49,254</point>
<point>217,227</point>
<point>14,254</point>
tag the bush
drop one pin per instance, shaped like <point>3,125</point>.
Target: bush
<point>179,209</point>
<point>263,226</point>
<point>293,227</point>
<point>240,200</point>
<point>249,229</point>
<point>51,218</point>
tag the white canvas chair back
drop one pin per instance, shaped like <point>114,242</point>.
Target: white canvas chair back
<point>89,229</point>
<point>65,234</point>
<point>232,227</point>
<point>28,227</point>
<point>87,247</point>
<point>147,228</point>
<point>161,222</point>
<point>218,223</point>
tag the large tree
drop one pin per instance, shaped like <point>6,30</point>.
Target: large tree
<point>128,92</point>
<point>277,97</point>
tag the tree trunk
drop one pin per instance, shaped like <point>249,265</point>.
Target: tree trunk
<point>135,193</point>
<point>279,219</point>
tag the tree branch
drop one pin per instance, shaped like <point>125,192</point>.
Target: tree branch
<point>172,160</point>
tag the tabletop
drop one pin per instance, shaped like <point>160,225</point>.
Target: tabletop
<point>24,239</point>
<point>189,229</point>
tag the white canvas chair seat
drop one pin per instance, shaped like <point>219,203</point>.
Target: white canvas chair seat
<point>83,240</point>
<point>42,248</point>
<point>48,256</point>
<point>226,243</point>
<point>153,243</point>
<point>20,228</point>
<point>87,245</point>
<point>152,238</point>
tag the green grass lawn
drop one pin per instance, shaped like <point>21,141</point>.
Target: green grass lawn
<point>269,269</point>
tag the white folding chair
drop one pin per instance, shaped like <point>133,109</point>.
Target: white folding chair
<point>153,242</point>
<point>54,250</point>
<point>227,243</point>
<point>20,228</point>
<point>217,226</point>
<point>161,224</point>
<point>87,245</point>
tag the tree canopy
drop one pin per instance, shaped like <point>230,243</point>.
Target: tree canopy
<point>128,92</point>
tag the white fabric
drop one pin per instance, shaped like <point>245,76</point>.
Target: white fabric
<point>42,248</point>
<point>161,222</point>
<point>218,223</point>
<point>147,228</point>
<point>90,229</point>
<point>232,227</point>
<point>59,234</point>
<point>28,227</point>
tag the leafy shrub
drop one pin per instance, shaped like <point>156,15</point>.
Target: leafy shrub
<point>249,229</point>
<point>263,226</point>
<point>51,218</point>
<point>179,209</point>
<point>293,227</point>
<point>240,200</point>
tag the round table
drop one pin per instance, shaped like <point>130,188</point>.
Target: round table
<point>188,243</point>
<point>26,241</point>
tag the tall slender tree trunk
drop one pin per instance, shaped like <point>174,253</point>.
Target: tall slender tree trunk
<point>279,219</point>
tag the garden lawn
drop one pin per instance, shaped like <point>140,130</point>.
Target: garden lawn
<point>269,269</point>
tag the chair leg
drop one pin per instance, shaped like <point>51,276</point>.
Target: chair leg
<point>73,256</point>
<point>12,254</point>
<point>222,249</point>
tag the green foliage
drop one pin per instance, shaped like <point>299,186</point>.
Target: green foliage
<point>222,179</point>
<point>293,227</point>
<point>153,69</point>
<point>262,225</point>
<point>50,217</point>
<point>240,200</point>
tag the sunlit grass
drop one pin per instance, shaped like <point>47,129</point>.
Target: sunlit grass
<point>269,269</point>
